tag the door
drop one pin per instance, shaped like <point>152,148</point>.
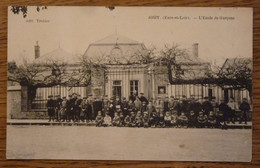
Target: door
<point>226,95</point>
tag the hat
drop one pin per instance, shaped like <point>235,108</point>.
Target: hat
<point>50,96</point>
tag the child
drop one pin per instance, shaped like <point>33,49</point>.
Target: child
<point>127,121</point>
<point>99,119</point>
<point>167,119</point>
<point>202,120</point>
<point>150,108</point>
<point>143,107</point>
<point>154,119</point>
<point>116,120</point>
<point>132,119</point>
<point>174,119</point>
<point>146,120</point>
<point>192,120</point>
<point>182,120</point>
<point>121,120</point>
<point>212,122</point>
<point>161,120</point>
<point>107,120</point>
<point>138,119</point>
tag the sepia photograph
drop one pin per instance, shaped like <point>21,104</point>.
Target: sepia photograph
<point>130,83</point>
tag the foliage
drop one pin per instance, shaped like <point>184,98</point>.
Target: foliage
<point>24,9</point>
<point>236,72</point>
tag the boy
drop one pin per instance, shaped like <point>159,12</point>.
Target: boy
<point>161,120</point>
<point>132,119</point>
<point>63,109</point>
<point>174,120</point>
<point>127,121</point>
<point>192,120</point>
<point>99,119</point>
<point>154,119</point>
<point>202,120</point>
<point>182,120</point>
<point>167,119</point>
<point>107,120</point>
<point>138,119</point>
<point>121,120</point>
<point>146,120</point>
<point>212,122</point>
<point>116,120</point>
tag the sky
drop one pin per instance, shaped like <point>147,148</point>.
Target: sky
<point>74,28</point>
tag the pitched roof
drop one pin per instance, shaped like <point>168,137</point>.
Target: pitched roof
<point>57,55</point>
<point>114,49</point>
<point>116,39</point>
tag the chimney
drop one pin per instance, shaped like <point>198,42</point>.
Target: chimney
<point>37,50</point>
<point>195,49</point>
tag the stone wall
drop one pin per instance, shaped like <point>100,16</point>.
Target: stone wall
<point>17,105</point>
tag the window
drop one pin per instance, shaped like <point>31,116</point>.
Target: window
<point>117,83</point>
<point>161,89</point>
<point>116,89</point>
<point>133,87</point>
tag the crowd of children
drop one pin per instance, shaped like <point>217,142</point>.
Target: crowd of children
<point>140,112</point>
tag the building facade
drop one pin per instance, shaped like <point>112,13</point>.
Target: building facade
<point>122,74</point>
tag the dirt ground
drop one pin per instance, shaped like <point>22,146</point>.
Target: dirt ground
<point>115,143</point>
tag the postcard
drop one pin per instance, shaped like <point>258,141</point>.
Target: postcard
<point>130,83</point>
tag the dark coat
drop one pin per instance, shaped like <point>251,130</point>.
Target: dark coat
<point>207,107</point>
<point>50,106</point>
<point>245,107</point>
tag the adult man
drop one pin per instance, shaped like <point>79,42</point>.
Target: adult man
<point>83,107</point>
<point>63,110</point>
<point>133,96</point>
<point>50,106</point>
<point>195,106</point>
<point>124,107</point>
<point>77,108</point>
<point>97,106</point>
<point>207,106</point>
<point>105,104</point>
<point>57,102</point>
<point>142,98</point>
<point>223,109</point>
<point>70,105</point>
<point>185,105</point>
<point>244,107</point>
<point>89,108</point>
<point>233,106</point>
<point>166,105</point>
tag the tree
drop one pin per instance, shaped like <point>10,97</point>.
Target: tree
<point>168,56</point>
<point>34,76</point>
<point>24,9</point>
<point>236,72</point>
